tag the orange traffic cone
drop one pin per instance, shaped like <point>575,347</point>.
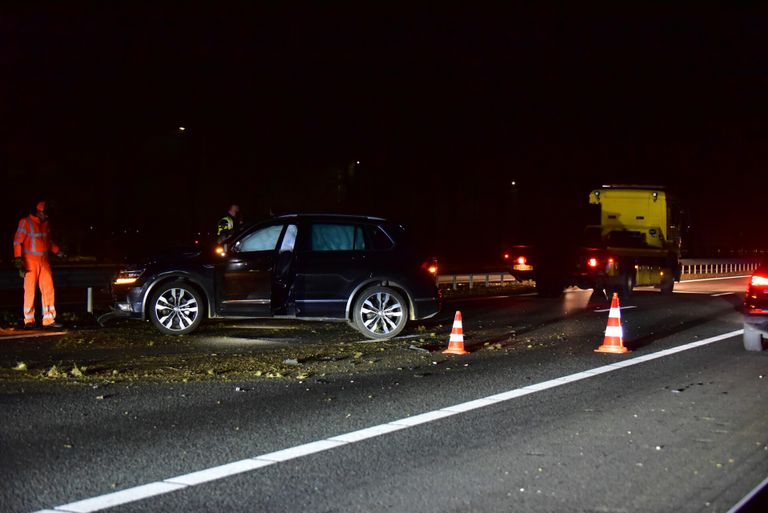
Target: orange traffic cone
<point>614,334</point>
<point>456,342</point>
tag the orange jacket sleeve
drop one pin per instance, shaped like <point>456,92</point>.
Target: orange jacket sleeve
<point>21,236</point>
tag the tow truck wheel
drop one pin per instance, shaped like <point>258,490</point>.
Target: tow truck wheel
<point>667,282</point>
<point>623,286</point>
<point>627,285</point>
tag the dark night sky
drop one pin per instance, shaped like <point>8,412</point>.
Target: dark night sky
<point>442,108</point>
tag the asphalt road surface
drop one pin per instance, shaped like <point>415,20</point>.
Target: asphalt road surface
<point>678,424</point>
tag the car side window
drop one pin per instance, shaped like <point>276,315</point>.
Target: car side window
<point>263,239</point>
<point>337,237</point>
<point>289,239</point>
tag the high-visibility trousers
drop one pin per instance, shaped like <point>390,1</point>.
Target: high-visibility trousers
<point>38,274</point>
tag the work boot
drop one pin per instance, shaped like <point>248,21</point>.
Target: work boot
<point>29,326</point>
<point>54,325</point>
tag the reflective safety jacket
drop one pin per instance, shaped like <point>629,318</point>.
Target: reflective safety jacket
<point>226,225</point>
<point>33,239</point>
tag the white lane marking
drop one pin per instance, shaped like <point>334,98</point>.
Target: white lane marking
<point>701,293</point>
<point>229,469</point>
<point>203,476</point>
<point>748,497</point>
<point>722,294</point>
<point>620,308</point>
<point>713,279</point>
<point>122,497</point>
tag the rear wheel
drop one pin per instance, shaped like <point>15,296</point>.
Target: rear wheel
<point>380,313</point>
<point>626,285</point>
<point>753,339</point>
<point>667,282</point>
<point>176,308</point>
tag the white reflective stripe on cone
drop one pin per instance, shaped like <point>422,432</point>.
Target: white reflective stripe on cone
<point>614,331</point>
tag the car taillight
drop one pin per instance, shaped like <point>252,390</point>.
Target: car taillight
<point>592,262</point>
<point>759,281</point>
<point>430,266</point>
<point>521,260</point>
<point>506,256</point>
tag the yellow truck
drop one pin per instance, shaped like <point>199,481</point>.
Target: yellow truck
<point>637,243</point>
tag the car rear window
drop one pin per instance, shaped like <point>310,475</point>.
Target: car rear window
<point>337,237</point>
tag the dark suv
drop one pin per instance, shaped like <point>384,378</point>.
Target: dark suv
<point>310,266</point>
<point>756,310</point>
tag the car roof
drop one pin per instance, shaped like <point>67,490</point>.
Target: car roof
<point>326,216</point>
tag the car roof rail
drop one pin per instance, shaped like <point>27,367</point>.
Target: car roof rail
<point>331,215</point>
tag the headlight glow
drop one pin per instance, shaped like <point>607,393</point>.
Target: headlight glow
<point>128,276</point>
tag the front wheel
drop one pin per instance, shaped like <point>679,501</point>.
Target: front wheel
<point>176,308</point>
<point>380,313</point>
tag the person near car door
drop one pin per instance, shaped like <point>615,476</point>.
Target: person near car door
<point>30,251</point>
<point>227,223</point>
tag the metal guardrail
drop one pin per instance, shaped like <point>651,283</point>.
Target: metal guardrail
<point>690,267</point>
<point>98,276</point>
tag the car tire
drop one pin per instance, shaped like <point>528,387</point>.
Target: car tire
<point>176,308</point>
<point>380,313</point>
<point>753,339</point>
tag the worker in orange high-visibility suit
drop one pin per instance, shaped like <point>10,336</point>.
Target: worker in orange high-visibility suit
<point>30,250</point>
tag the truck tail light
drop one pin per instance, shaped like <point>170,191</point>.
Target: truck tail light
<point>592,262</point>
<point>431,266</point>
<point>522,260</point>
<point>759,280</point>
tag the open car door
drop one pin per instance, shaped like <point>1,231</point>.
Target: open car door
<point>245,278</point>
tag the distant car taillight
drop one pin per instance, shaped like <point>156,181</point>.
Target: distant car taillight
<point>506,256</point>
<point>430,266</point>
<point>593,262</point>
